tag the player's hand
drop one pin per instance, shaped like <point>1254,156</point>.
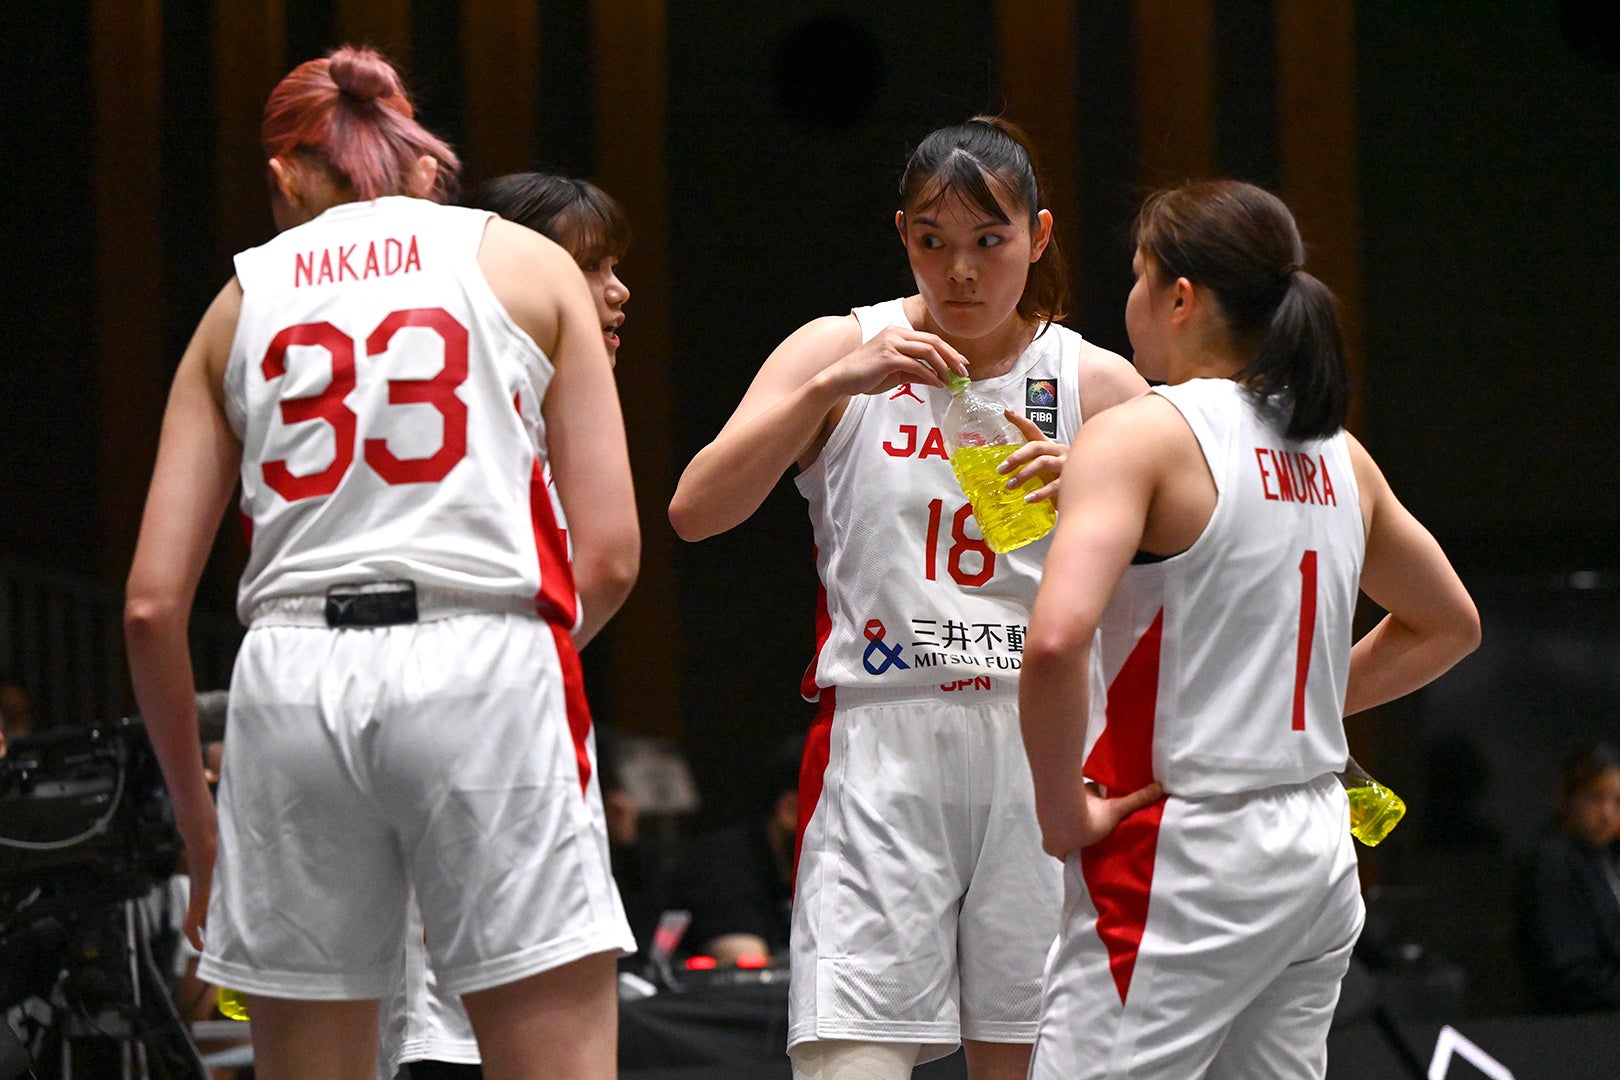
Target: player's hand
<point>894,356</point>
<point>1036,468</point>
<point>1100,815</point>
<point>200,863</point>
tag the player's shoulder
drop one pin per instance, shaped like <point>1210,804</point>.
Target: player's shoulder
<point>1370,480</point>
<point>1147,412</point>
<point>510,242</point>
<point>827,336</point>
<point>1107,379</point>
<point>1145,427</point>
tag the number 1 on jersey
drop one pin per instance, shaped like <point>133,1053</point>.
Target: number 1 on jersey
<point>1307,634</point>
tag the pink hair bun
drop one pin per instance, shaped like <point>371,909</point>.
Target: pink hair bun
<point>364,75</point>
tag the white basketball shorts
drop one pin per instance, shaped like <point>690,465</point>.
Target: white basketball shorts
<point>924,905</point>
<point>1205,937</point>
<point>437,755</point>
<point>419,1021</point>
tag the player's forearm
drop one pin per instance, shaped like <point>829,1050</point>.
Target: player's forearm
<point>728,479</point>
<point>603,581</point>
<point>1394,659</point>
<point>1053,699</point>
<point>160,669</point>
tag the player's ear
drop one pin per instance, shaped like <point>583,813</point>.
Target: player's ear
<point>1042,235</point>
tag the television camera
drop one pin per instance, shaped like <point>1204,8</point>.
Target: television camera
<point>86,836</point>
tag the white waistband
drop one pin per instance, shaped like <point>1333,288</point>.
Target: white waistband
<point>432,602</point>
<point>966,687</point>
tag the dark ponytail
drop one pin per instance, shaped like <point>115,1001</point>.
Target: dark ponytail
<point>1240,242</point>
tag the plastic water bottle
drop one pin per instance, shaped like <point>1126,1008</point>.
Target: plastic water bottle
<point>1374,808</point>
<point>232,1004</point>
<point>980,437</point>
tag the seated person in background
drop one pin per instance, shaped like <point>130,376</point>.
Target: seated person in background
<point>16,710</point>
<point>1573,901</point>
<point>632,869</point>
<point>738,882</point>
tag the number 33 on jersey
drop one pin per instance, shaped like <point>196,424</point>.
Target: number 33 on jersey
<point>380,446</point>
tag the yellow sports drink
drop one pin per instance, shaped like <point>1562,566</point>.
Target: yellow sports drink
<point>232,1004</point>
<point>1374,810</point>
<point>980,437</point>
<point>1005,519</point>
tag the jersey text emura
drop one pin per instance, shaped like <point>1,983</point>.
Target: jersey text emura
<point>1289,476</point>
<point>356,262</point>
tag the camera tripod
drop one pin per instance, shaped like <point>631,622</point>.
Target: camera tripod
<point>87,960</point>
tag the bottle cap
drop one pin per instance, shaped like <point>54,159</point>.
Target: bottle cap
<point>958,383</point>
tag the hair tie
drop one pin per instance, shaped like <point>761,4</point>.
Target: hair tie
<point>1291,269</point>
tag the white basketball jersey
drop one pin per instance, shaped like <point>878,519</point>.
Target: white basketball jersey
<point>911,594</point>
<point>389,412</point>
<point>1225,665</point>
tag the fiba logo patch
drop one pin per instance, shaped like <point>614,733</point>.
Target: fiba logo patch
<point>1040,405</point>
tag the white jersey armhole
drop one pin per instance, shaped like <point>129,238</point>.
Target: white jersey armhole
<point>1186,397</point>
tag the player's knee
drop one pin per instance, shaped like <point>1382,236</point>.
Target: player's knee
<point>846,1060</point>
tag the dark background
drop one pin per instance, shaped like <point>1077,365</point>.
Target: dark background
<point>1488,173</point>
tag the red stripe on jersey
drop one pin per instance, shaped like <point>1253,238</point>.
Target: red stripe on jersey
<point>1119,869</point>
<point>808,687</point>
<point>813,769</point>
<point>555,601</point>
<point>579,710</point>
<point>1122,757</point>
<point>1119,876</point>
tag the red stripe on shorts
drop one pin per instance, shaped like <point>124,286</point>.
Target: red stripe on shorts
<point>1119,869</point>
<point>813,769</point>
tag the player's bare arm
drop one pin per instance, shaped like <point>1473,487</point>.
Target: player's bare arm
<point>1114,469</point>
<point>790,408</point>
<point>196,471</point>
<point>590,460</point>
<point>1431,622</point>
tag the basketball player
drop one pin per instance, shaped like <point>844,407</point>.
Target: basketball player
<point>923,905</point>
<point>421,1023</point>
<point>1226,523</point>
<point>389,378</point>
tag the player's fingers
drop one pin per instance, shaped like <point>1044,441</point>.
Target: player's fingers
<point>1037,480</point>
<point>1027,426</point>
<point>911,354</point>
<point>1136,800</point>
<point>1034,493</point>
<point>954,362</point>
<point>196,915</point>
